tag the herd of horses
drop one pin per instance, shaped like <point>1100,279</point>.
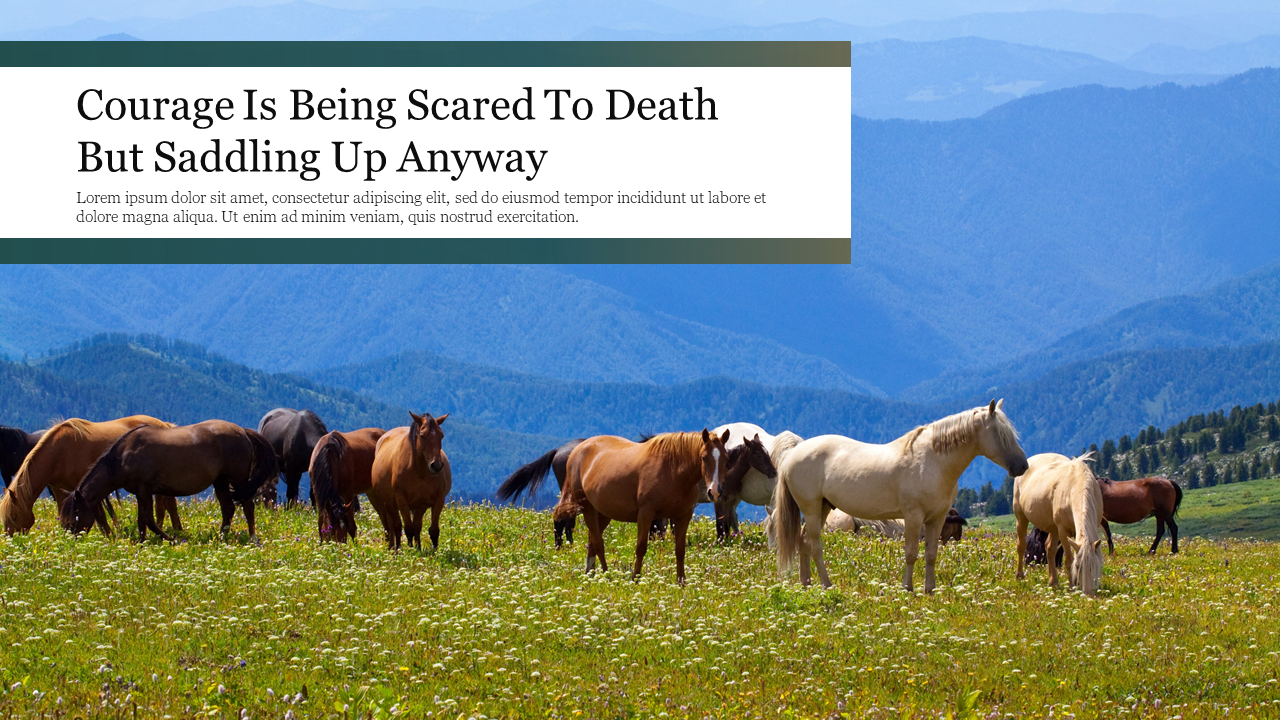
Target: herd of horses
<point>904,488</point>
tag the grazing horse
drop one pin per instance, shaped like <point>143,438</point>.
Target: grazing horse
<point>411,474</point>
<point>914,478</point>
<point>755,487</point>
<point>293,434</point>
<point>15,445</point>
<point>528,478</point>
<point>1060,496</point>
<point>841,521</point>
<point>1036,553</point>
<point>342,468</point>
<point>612,478</point>
<point>176,461</point>
<point>58,462</point>
<point>1133,501</point>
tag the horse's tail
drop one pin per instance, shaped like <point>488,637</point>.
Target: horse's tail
<point>330,451</point>
<point>264,467</point>
<point>527,478</point>
<point>786,521</point>
<point>1177,499</point>
<point>784,443</point>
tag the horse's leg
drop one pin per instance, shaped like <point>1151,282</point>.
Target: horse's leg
<point>249,519</point>
<point>604,525</point>
<point>222,491</point>
<point>911,542</point>
<point>1159,535</point>
<point>680,526</point>
<point>1173,534</point>
<point>569,525</point>
<point>733,519</point>
<point>559,524</point>
<point>592,519</point>
<point>814,540</point>
<point>434,530</point>
<point>291,482</point>
<point>932,533</point>
<point>644,521</point>
<point>1111,546</point>
<point>1022,547</point>
<point>1051,552</point>
<point>146,517</point>
<point>417,526</point>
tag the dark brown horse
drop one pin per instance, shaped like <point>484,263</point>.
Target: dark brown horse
<point>953,526</point>
<point>410,475</point>
<point>179,461</point>
<point>1132,501</point>
<point>748,455</point>
<point>15,445</point>
<point>528,478</point>
<point>293,434</point>
<point>342,468</point>
<point>611,478</point>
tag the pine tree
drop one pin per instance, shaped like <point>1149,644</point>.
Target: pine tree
<point>1125,444</point>
<point>1126,470</point>
<point>1273,429</point>
<point>1143,465</point>
<point>1255,468</point>
<point>1210,475</point>
<point>1193,479</point>
<point>1108,452</point>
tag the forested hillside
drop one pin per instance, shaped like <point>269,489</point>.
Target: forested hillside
<point>114,376</point>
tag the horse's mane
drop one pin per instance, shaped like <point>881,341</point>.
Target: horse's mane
<point>1091,494</point>
<point>22,492</point>
<point>13,432</point>
<point>675,445</point>
<point>957,430</point>
<point>783,443</point>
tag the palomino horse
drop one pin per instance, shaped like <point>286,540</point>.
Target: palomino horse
<point>1060,496</point>
<point>528,478</point>
<point>15,445</point>
<point>176,461</point>
<point>914,478</point>
<point>293,434</point>
<point>342,468</point>
<point>612,478</point>
<point>1133,501</point>
<point>58,462</point>
<point>411,474</point>
<point>755,487</point>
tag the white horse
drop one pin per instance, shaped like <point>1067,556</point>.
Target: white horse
<point>756,488</point>
<point>914,478</point>
<point>1060,496</point>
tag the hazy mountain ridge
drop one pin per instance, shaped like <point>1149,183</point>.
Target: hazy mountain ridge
<point>308,317</point>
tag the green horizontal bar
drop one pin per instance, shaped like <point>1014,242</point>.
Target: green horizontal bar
<point>426,54</point>
<point>734,251</point>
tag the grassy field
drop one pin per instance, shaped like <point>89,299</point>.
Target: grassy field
<point>1239,510</point>
<point>498,624</point>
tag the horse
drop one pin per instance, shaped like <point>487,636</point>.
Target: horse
<point>755,487</point>
<point>839,520</point>
<point>15,445</point>
<point>58,462</point>
<point>612,478</point>
<point>342,468</point>
<point>176,461</point>
<point>528,478</point>
<point>1036,553</point>
<point>1133,501</point>
<point>1060,496</point>
<point>293,434</point>
<point>914,478</point>
<point>410,474</point>
<point>166,505</point>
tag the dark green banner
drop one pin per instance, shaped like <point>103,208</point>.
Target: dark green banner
<point>425,54</point>
<point>729,251</point>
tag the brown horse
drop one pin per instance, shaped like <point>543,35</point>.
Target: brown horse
<point>58,462</point>
<point>1133,501</point>
<point>612,478</point>
<point>342,468</point>
<point>953,526</point>
<point>410,474</point>
<point>176,461</point>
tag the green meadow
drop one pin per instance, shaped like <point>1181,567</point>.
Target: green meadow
<point>1239,510</point>
<point>497,623</point>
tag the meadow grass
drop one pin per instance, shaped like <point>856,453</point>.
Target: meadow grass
<point>499,624</point>
<point>1239,510</point>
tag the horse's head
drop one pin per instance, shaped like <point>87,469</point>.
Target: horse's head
<point>998,440</point>
<point>76,513</point>
<point>750,454</point>
<point>427,439</point>
<point>715,461</point>
<point>1086,566</point>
